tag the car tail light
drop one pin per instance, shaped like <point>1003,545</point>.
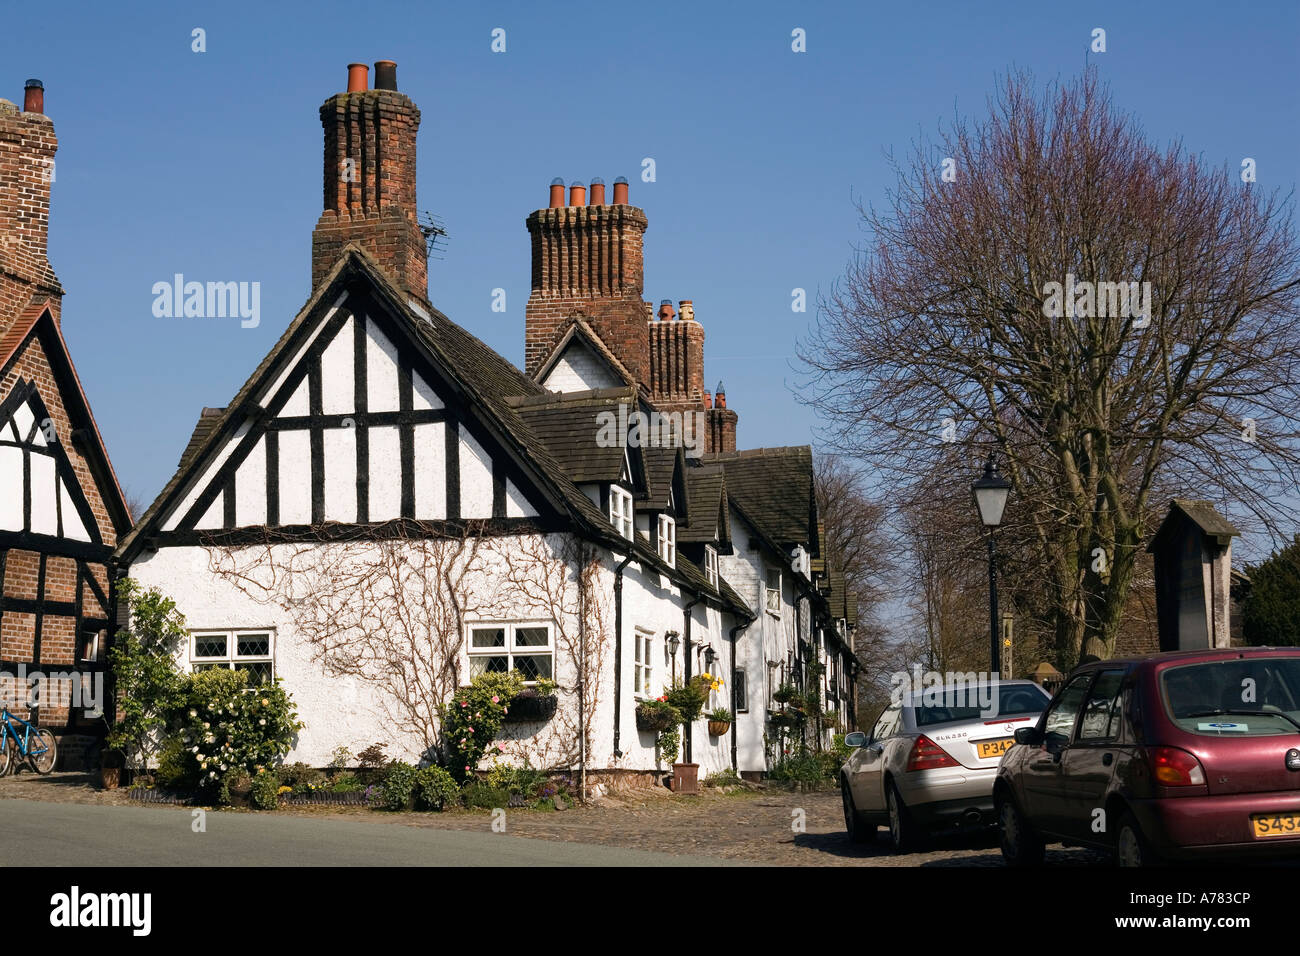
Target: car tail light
<point>1175,768</point>
<point>927,755</point>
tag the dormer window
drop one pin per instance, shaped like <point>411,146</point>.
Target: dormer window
<point>620,511</point>
<point>711,564</point>
<point>668,539</point>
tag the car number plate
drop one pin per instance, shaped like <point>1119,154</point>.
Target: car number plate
<point>1275,824</point>
<point>993,748</point>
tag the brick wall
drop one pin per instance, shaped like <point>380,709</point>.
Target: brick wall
<point>369,187</point>
<point>587,260</point>
<point>27,148</point>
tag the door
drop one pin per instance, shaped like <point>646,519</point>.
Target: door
<point>1089,761</point>
<point>867,781</point>
<point>1041,781</point>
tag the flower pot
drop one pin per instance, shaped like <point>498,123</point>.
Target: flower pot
<point>686,778</point>
<point>655,721</point>
<point>110,778</point>
<point>528,708</point>
<point>719,727</point>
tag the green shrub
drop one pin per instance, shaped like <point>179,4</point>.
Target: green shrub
<point>688,698</point>
<point>398,785</point>
<point>473,718</point>
<point>478,793</point>
<point>148,684</point>
<point>722,714</point>
<point>175,771</point>
<point>810,768</point>
<point>524,780</point>
<point>435,789</point>
<point>346,783</point>
<point>723,778</point>
<point>230,725</point>
<point>670,744</point>
<point>301,777</point>
<point>265,794</point>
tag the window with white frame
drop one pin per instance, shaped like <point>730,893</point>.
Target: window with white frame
<point>668,539</point>
<point>711,564</point>
<point>773,677</point>
<point>501,648</point>
<point>643,664</point>
<point>251,651</point>
<point>620,510</point>
<point>772,591</point>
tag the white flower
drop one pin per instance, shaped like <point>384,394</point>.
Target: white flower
<point>262,722</point>
<point>194,713</point>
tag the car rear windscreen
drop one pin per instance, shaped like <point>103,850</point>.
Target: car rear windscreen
<point>1238,697</point>
<point>942,706</point>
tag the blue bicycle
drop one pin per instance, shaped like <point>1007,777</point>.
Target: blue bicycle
<point>22,740</point>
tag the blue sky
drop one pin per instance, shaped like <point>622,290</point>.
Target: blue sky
<point>209,164</point>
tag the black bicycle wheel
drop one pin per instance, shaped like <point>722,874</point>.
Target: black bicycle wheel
<point>43,761</point>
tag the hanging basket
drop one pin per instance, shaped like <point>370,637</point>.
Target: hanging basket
<point>655,719</point>
<point>719,727</point>
<point>531,708</point>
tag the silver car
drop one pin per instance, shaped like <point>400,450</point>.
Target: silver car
<point>930,761</point>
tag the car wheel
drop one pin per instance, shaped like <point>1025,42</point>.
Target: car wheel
<point>1021,846</point>
<point>1131,845</point>
<point>859,830</point>
<point>904,836</point>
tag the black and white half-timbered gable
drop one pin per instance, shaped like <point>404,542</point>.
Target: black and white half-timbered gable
<point>388,507</point>
<point>61,512</point>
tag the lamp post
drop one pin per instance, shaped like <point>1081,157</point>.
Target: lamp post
<point>990,491</point>
<point>674,642</point>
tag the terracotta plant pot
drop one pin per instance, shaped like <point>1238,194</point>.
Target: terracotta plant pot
<point>686,778</point>
<point>718,727</point>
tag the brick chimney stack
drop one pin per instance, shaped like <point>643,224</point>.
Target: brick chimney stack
<point>721,432</point>
<point>587,261</point>
<point>370,180</point>
<point>27,148</point>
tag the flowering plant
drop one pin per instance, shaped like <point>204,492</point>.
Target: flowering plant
<point>473,717</point>
<point>229,726</point>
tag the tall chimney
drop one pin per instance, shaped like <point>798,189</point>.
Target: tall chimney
<point>369,194</point>
<point>27,148</point>
<point>586,261</point>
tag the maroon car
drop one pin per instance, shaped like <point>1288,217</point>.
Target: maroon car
<point>1178,756</point>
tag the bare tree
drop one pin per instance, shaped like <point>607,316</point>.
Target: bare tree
<point>1100,393</point>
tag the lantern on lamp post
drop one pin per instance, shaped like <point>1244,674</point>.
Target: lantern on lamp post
<point>990,492</point>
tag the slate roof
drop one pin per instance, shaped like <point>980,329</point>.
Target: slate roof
<point>710,518</point>
<point>1201,513</point>
<point>14,332</point>
<point>773,489</point>
<point>568,425</point>
<point>207,418</point>
<point>665,478</point>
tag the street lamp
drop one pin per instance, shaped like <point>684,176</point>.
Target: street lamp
<point>990,491</point>
<point>674,642</point>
